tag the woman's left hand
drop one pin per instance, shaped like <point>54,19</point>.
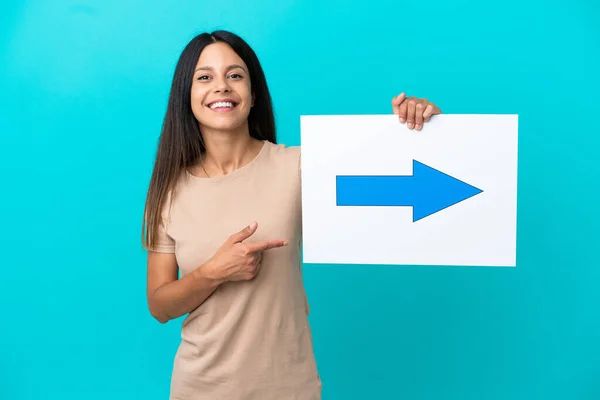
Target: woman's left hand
<point>413,111</point>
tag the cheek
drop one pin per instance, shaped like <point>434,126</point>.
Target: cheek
<point>249,95</point>
<point>244,91</point>
<point>197,98</point>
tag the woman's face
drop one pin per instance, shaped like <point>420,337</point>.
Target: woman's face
<point>221,93</point>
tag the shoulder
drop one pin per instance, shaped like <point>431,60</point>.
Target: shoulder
<point>283,158</point>
<point>282,153</point>
<point>283,150</point>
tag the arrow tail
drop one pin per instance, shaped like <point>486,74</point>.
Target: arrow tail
<point>365,190</point>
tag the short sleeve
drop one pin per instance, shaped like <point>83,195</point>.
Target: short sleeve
<point>164,243</point>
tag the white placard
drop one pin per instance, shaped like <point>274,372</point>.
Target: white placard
<point>375,192</point>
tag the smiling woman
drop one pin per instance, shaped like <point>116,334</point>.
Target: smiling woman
<point>223,210</point>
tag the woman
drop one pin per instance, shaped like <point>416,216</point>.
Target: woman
<point>224,209</point>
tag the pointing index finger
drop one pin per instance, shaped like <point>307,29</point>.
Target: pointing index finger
<point>267,244</point>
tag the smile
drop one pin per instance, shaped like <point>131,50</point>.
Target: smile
<point>224,105</point>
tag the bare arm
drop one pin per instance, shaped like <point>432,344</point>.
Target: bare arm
<point>169,297</point>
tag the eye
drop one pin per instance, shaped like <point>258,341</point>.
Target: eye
<point>236,76</point>
<point>203,77</point>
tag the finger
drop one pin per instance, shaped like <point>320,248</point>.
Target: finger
<point>420,108</point>
<point>433,110</point>
<point>402,111</point>
<point>428,113</point>
<point>396,101</point>
<point>252,271</point>
<point>410,114</point>
<point>266,245</point>
<point>254,266</point>
<point>244,233</point>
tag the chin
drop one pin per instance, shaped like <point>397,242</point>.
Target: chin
<point>224,126</point>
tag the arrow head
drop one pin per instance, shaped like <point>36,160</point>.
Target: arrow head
<point>435,190</point>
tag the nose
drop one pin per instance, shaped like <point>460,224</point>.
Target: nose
<point>221,85</point>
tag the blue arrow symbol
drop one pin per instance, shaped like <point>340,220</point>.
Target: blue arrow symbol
<point>427,190</point>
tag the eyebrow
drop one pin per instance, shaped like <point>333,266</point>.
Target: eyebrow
<point>233,66</point>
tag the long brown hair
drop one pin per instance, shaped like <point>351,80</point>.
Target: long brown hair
<point>180,143</point>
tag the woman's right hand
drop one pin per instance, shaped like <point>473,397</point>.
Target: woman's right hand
<point>236,260</point>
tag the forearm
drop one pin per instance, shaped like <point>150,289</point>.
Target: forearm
<point>177,298</point>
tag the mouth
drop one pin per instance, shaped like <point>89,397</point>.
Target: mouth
<point>222,105</point>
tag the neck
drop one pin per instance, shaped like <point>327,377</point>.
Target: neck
<point>226,151</point>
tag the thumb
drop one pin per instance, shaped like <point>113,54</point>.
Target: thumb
<point>244,233</point>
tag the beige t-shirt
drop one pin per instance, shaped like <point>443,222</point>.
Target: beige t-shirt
<point>249,340</point>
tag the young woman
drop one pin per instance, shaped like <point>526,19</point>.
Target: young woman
<point>224,210</point>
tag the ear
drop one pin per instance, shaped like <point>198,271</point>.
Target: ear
<point>253,98</point>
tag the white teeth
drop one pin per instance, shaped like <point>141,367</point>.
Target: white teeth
<point>220,104</point>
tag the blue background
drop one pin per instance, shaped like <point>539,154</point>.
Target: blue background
<point>83,91</point>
